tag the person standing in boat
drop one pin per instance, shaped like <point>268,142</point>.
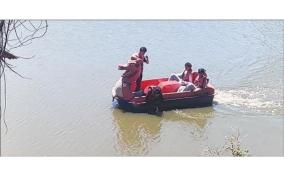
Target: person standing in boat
<point>140,56</point>
<point>122,88</point>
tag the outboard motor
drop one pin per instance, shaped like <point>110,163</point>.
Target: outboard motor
<point>154,98</point>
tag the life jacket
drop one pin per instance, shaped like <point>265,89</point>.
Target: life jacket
<point>201,82</point>
<point>187,75</point>
<point>133,71</point>
<point>136,55</point>
<point>131,74</point>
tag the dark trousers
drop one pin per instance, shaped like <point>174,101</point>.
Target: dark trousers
<point>138,83</point>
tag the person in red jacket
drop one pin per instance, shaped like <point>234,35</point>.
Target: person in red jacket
<point>186,75</point>
<point>140,56</point>
<point>201,80</point>
<point>122,88</point>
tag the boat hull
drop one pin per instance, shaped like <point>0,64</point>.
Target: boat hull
<point>169,104</point>
<point>171,98</point>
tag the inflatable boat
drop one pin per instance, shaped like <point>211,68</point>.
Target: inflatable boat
<point>170,98</point>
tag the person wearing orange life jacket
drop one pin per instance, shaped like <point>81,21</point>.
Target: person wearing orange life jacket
<point>201,80</point>
<point>186,75</point>
<point>184,78</point>
<point>140,56</point>
<point>122,88</point>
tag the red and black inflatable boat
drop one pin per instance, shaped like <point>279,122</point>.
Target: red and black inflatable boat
<point>171,99</point>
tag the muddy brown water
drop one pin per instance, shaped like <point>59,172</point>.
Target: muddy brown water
<point>65,108</point>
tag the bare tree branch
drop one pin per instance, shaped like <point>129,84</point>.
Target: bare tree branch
<point>15,34</point>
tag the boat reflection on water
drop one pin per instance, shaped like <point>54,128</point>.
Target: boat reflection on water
<point>136,133</point>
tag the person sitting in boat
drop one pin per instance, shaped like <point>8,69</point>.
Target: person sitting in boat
<point>201,80</point>
<point>184,78</point>
<point>140,56</point>
<point>186,75</point>
<point>186,86</point>
<point>122,88</point>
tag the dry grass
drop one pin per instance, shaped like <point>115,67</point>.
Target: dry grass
<point>232,147</point>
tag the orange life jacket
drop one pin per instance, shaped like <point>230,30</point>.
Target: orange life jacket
<point>201,82</point>
<point>129,77</point>
<point>133,71</point>
<point>187,76</point>
<point>136,55</point>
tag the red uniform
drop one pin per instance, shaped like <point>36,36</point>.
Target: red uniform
<point>139,79</point>
<point>132,73</point>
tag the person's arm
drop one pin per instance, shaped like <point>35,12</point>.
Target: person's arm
<point>204,81</point>
<point>123,66</point>
<point>181,75</point>
<point>131,70</point>
<point>146,59</point>
<point>134,57</point>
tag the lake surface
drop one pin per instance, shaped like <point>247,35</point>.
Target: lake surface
<point>64,108</point>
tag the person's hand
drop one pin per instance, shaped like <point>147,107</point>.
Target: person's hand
<point>146,59</point>
<point>121,67</point>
